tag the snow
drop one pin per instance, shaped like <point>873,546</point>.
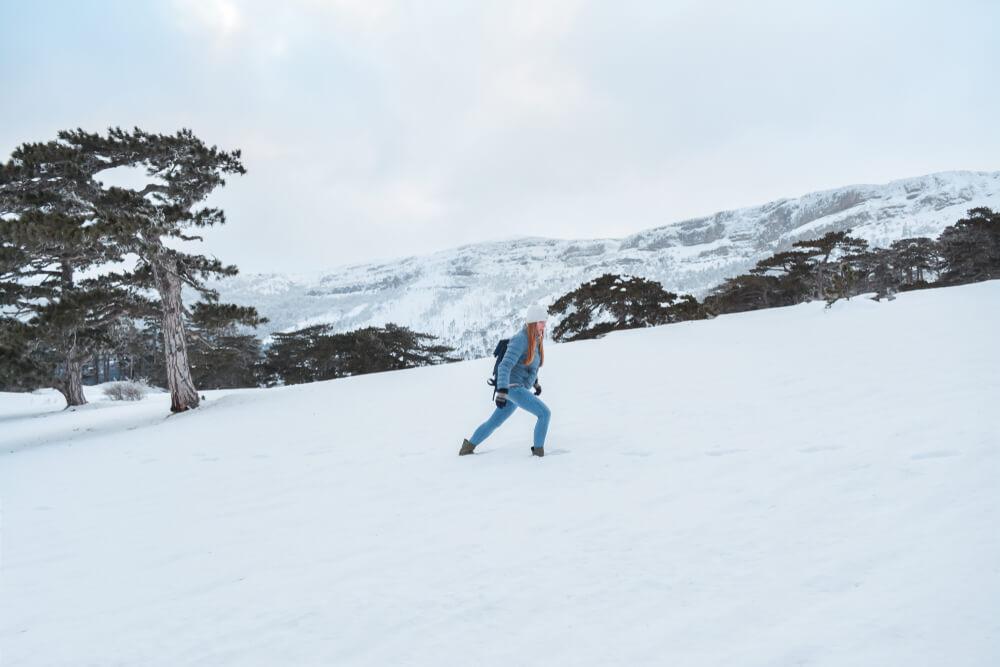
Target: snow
<point>784,487</point>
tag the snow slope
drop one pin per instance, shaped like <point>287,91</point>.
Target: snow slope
<point>467,295</point>
<point>786,487</point>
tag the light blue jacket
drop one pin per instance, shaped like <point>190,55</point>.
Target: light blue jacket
<point>512,371</point>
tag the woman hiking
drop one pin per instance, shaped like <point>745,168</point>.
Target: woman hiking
<point>517,383</point>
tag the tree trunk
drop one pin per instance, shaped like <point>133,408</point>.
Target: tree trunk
<point>183,395</point>
<point>71,384</point>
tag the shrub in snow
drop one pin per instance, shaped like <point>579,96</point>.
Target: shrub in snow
<point>126,391</point>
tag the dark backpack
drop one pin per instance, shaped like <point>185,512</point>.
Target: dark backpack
<point>498,354</point>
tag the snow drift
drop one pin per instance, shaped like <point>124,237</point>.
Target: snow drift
<point>784,487</point>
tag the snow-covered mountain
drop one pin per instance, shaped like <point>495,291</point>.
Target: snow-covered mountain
<point>472,295</point>
<point>793,486</point>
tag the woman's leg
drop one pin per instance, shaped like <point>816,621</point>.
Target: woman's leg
<point>525,399</point>
<point>498,417</point>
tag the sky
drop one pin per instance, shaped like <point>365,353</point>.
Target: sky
<point>374,129</point>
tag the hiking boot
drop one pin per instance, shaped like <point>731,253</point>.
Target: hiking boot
<point>467,448</point>
<point>538,451</point>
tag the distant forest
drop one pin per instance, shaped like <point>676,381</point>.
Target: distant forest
<point>833,267</point>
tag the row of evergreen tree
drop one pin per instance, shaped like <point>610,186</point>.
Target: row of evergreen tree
<point>224,355</point>
<point>833,267</point>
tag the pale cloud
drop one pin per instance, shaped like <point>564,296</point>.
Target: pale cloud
<point>366,14</point>
<point>534,21</point>
<point>531,80</point>
<point>529,92</point>
<point>278,46</point>
<point>406,201</point>
<point>222,18</point>
<point>272,24</point>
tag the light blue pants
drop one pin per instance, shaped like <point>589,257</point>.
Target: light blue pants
<point>519,397</point>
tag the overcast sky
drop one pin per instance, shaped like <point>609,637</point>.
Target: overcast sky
<point>374,129</point>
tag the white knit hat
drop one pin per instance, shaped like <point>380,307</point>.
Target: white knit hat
<point>536,313</point>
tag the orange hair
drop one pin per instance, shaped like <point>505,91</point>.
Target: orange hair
<point>533,338</point>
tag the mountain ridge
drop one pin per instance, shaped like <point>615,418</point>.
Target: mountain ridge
<point>467,296</point>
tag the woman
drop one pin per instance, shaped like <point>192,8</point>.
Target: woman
<point>517,375</point>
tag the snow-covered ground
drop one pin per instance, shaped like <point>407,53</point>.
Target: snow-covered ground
<point>788,487</point>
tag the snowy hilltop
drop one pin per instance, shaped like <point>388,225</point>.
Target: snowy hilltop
<point>466,296</point>
<point>793,486</point>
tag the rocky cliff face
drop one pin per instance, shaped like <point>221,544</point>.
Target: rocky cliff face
<point>473,295</point>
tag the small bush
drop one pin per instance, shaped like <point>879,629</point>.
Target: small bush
<point>126,391</point>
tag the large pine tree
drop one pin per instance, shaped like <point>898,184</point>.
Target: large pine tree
<point>181,171</point>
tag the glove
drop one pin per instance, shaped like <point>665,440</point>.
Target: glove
<point>501,399</point>
<point>538,389</point>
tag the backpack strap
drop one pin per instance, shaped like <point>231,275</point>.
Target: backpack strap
<point>498,353</point>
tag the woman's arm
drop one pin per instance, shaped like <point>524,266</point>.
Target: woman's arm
<point>516,348</point>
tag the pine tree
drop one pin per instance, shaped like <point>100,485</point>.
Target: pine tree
<point>971,248</point>
<point>49,233</point>
<point>22,368</point>
<point>182,171</point>
<point>222,355</point>
<point>296,357</point>
<point>317,353</point>
<point>137,345</point>
<point>612,302</point>
<point>916,260</point>
<point>686,308</point>
<point>390,348</point>
<point>832,269</point>
<point>793,272</point>
<point>747,291</point>
<point>877,271</point>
